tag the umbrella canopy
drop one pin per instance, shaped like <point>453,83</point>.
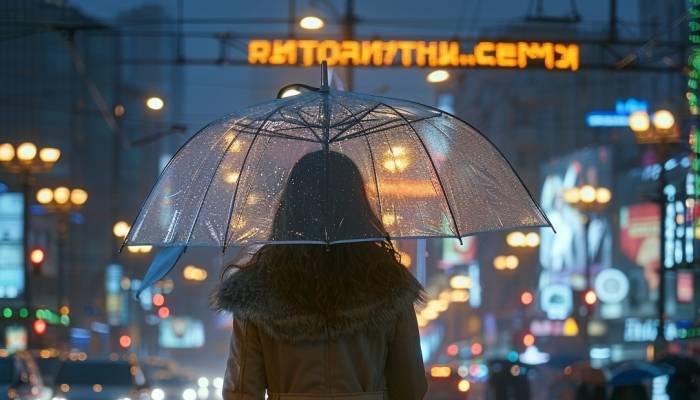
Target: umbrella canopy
<point>632,373</point>
<point>292,170</point>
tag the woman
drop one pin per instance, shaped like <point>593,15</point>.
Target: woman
<point>323,321</point>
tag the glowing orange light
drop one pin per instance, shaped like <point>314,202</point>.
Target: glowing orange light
<point>164,312</point>
<point>125,341</point>
<point>158,299</point>
<point>590,297</point>
<point>440,371</point>
<point>529,340</point>
<point>37,256</point>
<point>526,298</point>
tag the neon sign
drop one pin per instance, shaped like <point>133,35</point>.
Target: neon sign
<point>413,53</point>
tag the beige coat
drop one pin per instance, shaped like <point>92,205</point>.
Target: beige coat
<point>371,351</point>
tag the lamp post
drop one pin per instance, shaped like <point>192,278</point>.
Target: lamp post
<point>61,201</point>
<point>660,131</point>
<point>27,160</point>
<point>589,200</point>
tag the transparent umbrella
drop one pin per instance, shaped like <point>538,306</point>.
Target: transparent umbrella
<point>425,173</point>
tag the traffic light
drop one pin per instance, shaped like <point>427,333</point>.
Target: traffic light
<point>37,256</point>
<point>125,341</point>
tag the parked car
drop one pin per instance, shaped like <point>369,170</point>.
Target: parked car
<point>20,378</point>
<point>100,379</point>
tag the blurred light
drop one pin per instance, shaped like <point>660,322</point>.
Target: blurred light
<point>460,282</point>
<point>39,327</point>
<point>7,312</point>
<point>515,239</point>
<point>23,312</point>
<point>139,249</point>
<point>64,387</point>
<point>529,339</point>
<point>512,356</point>
<point>603,195</point>
<point>452,350</point>
<point>37,256</point>
<point>463,385</point>
<point>7,152</point>
<point>97,388</point>
<point>119,110</point>
<point>203,392</point>
<point>218,382</point>
<point>158,299</point>
<point>437,76</point>
<point>157,394</point>
<point>639,121</point>
<point>311,23</point>
<point>155,103</point>
<point>203,381</point>
<point>429,314</point>
<point>49,154</point>
<point>26,151</point>
<point>440,371</point>
<point>388,219</point>
<point>164,312</point>
<point>125,341</point>
<point>189,394</point>
<point>532,239</point>
<point>193,273</point>
<point>61,195</point>
<point>588,194</point>
<point>58,398</point>
<point>590,297</point>
<point>232,177</point>
<point>512,262</point>
<point>459,296</point>
<point>526,298</point>
<point>570,327</point>
<point>290,92</point>
<point>44,196</point>
<point>663,120</point>
<point>64,310</point>
<point>572,195</point>
<point>125,283</point>
<point>476,348</point>
<point>499,263</point>
<point>78,197</point>
<point>515,370</point>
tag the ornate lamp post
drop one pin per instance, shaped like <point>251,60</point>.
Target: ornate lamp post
<point>61,201</point>
<point>27,160</point>
<point>589,200</point>
<point>661,132</point>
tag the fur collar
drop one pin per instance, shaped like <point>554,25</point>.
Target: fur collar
<point>245,294</point>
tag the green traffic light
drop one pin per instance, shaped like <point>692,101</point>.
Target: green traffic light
<point>23,312</point>
<point>7,312</point>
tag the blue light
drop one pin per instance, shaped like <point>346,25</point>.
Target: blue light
<point>512,356</point>
<point>597,119</point>
<point>3,187</point>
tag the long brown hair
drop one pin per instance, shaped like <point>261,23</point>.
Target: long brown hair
<point>327,278</point>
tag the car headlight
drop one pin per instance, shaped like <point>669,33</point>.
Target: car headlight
<point>157,394</point>
<point>189,394</point>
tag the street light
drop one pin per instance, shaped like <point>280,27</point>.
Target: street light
<point>61,201</point>
<point>121,229</point>
<point>155,103</point>
<point>27,160</point>
<point>437,76</point>
<point>521,239</point>
<point>311,22</point>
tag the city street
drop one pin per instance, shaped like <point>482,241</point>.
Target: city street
<point>182,184</point>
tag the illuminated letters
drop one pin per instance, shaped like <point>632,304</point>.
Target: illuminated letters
<point>414,53</point>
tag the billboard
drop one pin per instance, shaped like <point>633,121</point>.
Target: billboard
<point>11,258</point>
<point>581,239</point>
<point>181,333</point>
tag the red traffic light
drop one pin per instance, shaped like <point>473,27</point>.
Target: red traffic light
<point>590,297</point>
<point>125,341</point>
<point>526,298</point>
<point>39,327</point>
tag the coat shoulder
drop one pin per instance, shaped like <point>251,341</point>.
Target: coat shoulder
<point>246,294</point>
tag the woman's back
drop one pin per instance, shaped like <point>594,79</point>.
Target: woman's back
<point>323,329</point>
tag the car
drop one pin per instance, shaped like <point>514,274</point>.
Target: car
<point>20,378</point>
<point>94,379</point>
<point>168,381</point>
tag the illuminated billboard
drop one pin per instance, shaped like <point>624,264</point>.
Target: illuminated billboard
<point>11,260</point>
<point>414,53</point>
<point>181,333</point>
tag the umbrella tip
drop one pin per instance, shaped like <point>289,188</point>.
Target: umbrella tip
<point>324,75</point>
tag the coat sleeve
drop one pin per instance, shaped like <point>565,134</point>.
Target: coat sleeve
<point>404,372</point>
<point>245,370</point>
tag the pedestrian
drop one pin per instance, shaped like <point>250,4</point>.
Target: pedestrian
<point>323,321</point>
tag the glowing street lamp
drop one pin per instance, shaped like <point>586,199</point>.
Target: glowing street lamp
<point>663,120</point>
<point>639,121</point>
<point>62,198</point>
<point>311,23</point>
<point>155,103</point>
<point>437,76</point>
<point>121,229</point>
